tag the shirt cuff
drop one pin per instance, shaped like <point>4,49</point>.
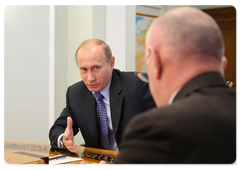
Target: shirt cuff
<point>58,141</point>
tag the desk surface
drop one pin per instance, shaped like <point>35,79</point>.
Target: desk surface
<point>38,153</point>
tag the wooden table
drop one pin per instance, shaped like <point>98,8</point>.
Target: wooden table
<point>16,152</point>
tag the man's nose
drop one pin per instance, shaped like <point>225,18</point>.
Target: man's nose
<point>91,76</point>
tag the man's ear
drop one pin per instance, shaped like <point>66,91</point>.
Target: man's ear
<point>157,64</point>
<point>112,61</point>
<point>224,64</point>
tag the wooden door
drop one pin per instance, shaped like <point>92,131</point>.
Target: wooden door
<point>226,19</point>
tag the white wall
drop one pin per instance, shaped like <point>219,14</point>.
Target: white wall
<point>79,29</point>
<point>116,37</point>
<point>26,71</point>
<point>130,38</point>
<point>61,53</point>
<point>99,22</point>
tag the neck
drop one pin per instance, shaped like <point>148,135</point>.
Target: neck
<point>175,78</point>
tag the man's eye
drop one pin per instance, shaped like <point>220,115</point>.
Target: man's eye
<point>96,68</point>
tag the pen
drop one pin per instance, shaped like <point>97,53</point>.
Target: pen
<point>57,157</point>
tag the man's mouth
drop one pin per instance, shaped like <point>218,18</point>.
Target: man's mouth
<point>92,85</point>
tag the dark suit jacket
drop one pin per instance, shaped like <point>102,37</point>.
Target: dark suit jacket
<point>128,97</point>
<point>199,127</point>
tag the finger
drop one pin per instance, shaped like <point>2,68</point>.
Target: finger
<point>69,123</point>
<point>74,150</point>
<point>71,146</point>
<point>68,129</point>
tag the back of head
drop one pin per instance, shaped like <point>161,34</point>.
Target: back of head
<point>181,44</point>
<point>189,31</point>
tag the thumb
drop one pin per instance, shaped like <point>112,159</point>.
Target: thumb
<point>69,123</point>
<point>68,129</point>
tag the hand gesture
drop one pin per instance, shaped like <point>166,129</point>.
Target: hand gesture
<point>68,137</point>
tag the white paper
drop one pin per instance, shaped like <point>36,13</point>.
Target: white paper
<point>64,160</point>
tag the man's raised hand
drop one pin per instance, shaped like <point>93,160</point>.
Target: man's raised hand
<point>68,137</point>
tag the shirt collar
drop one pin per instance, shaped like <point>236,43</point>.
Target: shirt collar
<point>105,91</point>
<point>173,96</point>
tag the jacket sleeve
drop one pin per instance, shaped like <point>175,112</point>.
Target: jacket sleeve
<point>60,124</point>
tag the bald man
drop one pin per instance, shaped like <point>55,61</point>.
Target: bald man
<point>195,121</point>
<point>124,96</point>
<point>195,118</point>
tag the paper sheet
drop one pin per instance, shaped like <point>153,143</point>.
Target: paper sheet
<point>64,160</point>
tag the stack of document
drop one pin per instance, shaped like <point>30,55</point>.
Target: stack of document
<point>62,159</point>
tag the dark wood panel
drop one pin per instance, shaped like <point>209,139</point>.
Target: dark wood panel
<point>228,13</point>
<point>226,19</point>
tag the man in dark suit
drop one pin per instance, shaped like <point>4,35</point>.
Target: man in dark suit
<point>195,118</point>
<point>199,127</point>
<point>124,96</point>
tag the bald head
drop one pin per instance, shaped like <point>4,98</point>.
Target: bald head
<point>188,31</point>
<point>181,44</point>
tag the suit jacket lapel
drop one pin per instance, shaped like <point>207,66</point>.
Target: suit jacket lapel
<point>115,101</point>
<point>89,113</point>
